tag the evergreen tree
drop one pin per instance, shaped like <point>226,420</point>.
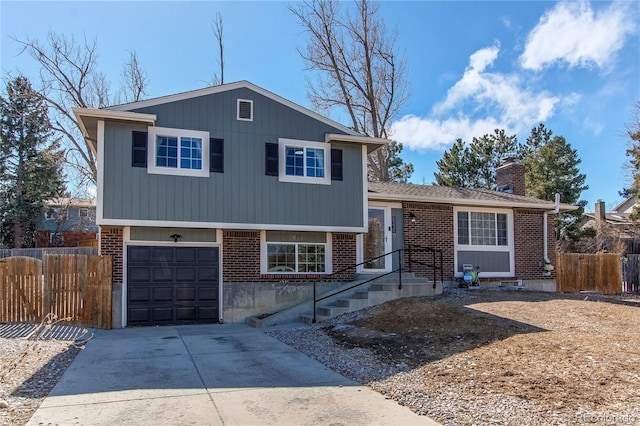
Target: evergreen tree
<point>552,166</point>
<point>399,171</point>
<point>474,166</point>
<point>633,130</point>
<point>31,164</point>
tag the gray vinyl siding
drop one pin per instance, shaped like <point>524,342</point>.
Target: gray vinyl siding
<point>485,261</point>
<point>242,194</point>
<point>164,234</point>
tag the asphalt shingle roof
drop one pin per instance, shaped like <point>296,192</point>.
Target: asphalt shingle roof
<point>455,195</point>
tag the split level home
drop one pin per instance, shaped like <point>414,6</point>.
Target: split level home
<point>227,202</point>
<point>67,222</point>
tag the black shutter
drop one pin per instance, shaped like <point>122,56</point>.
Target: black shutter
<point>271,159</point>
<point>139,149</point>
<point>336,164</point>
<point>216,155</point>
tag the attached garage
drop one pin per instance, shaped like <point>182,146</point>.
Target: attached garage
<point>172,285</point>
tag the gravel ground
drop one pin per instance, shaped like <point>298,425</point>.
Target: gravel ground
<point>32,360</point>
<point>524,358</point>
<point>581,364</point>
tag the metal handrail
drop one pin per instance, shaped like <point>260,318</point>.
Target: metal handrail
<point>400,252</point>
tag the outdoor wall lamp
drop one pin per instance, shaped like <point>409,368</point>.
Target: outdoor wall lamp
<point>412,216</point>
<point>175,237</point>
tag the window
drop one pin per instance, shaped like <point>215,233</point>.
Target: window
<point>56,239</point>
<point>178,152</point>
<point>83,212</point>
<point>295,252</point>
<point>304,161</point>
<point>482,229</point>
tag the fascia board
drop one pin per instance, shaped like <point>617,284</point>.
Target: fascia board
<point>471,202</point>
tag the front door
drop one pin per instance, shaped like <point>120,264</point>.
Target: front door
<point>377,241</point>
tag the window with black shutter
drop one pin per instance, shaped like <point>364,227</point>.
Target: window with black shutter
<point>271,159</point>
<point>139,149</point>
<point>216,163</point>
<point>336,164</point>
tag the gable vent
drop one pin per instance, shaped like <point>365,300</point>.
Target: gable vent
<point>245,110</point>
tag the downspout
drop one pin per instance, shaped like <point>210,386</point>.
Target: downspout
<point>547,263</point>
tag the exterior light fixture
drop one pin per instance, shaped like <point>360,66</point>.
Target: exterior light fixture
<point>175,237</point>
<point>412,216</point>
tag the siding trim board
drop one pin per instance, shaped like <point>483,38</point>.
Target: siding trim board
<point>220,225</point>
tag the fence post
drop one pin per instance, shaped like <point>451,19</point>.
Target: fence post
<point>400,269</point>
<point>313,321</point>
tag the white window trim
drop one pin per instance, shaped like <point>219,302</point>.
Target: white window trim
<point>154,132</point>
<point>282,160</point>
<point>264,260</point>
<point>238,110</point>
<point>509,248</point>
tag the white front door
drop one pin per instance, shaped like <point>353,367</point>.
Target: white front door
<point>377,241</point>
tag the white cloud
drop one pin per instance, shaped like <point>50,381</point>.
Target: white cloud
<point>479,102</point>
<point>425,133</point>
<point>574,34</point>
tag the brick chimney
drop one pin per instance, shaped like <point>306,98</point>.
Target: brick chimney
<point>510,177</point>
<point>600,214</point>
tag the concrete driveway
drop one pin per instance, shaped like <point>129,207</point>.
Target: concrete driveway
<point>227,374</point>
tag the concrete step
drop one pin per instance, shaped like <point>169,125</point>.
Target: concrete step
<point>308,318</point>
<point>353,304</point>
<point>393,276</point>
<point>332,310</point>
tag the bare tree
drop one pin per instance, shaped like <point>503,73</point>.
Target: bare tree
<point>359,70</point>
<point>70,79</point>
<point>134,80</point>
<point>218,32</point>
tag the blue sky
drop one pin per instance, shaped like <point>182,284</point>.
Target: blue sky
<point>473,66</point>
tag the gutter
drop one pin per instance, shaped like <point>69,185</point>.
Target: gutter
<point>548,267</point>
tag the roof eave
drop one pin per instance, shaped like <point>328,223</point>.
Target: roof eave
<point>372,143</point>
<point>470,202</point>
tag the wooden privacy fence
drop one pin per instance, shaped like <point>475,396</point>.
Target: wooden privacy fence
<point>69,286</point>
<point>588,272</point>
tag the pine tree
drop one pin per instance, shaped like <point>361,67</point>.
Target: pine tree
<point>474,166</point>
<point>552,166</point>
<point>31,164</point>
<point>633,152</point>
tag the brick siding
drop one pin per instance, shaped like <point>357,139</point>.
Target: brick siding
<point>512,175</point>
<point>112,244</point>
<point>528,244</point>
<point>433,228</point>
<point>241,258</point>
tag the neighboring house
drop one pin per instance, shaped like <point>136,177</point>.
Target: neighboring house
<point>228,201</point>
<point>617,221</point>
<point>68,222</point>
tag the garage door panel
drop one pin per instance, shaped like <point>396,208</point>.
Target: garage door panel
<point>207,294</point>
<point>207,314</point>
<point>186,294</point>
<point>186,313</point>
<point>138,315</point>
<point>172,285</point>
<point>208,255</point>
<point>139,274</point>
<point>163,254</point>
<point>163,314</point>
<point>162,294</point>
<point>186,274</point>
<point>139,294</point>
<point>208,274</point>
<point>187,254</point>
<point>139,254</point>
<point>163,273</point>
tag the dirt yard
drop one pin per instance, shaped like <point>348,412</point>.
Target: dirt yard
<point>562,359</point>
